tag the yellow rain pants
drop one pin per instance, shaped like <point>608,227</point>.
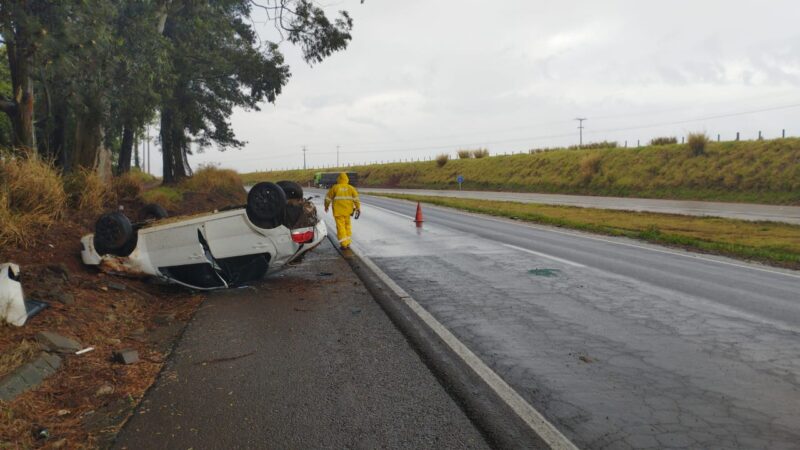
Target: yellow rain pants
<point>344,199</point>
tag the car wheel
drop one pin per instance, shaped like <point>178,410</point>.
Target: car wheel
<point>153,211</point>
<point>112,232</point>
<point>266,203</point>
<point>292,190</point>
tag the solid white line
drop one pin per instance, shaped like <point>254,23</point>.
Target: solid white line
<point>609,241</point>
<point>543,255</point>
<point>535,420</point>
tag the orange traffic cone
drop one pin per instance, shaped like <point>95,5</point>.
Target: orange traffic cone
<point>418,220</point>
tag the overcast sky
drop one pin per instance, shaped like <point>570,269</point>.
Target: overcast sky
<point>427,77</point>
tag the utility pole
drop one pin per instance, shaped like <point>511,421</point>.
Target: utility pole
<point>148,148</point>
<point>304,157</point>
<point>337,156</point>
<point>580,130</point>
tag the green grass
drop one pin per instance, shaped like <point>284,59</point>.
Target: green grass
<point>746,171</point>
<point>769,242</point>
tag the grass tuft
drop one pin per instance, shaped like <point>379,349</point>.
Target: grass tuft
<point>464,154</point>
<point>441,159</point>
<point>664,140</point>
<point>32,198</point>
<point>480,153</point>
<point>213,180</point>
<point>128,186</point>
<point>86,191</point>
<point>697,143</point>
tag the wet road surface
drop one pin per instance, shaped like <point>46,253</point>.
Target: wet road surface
<point>619,344</point>
<point>305,359</point>
<point>741,211</point>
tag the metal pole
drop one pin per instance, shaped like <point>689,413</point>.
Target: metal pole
<point>337,156</point>
<point>304,157</point>
<point>580,130</point>
<point>148,148</point>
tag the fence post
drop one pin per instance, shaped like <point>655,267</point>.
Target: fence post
<point>783,133</point>
<point>637,143</point>
<point>737,136</point>
<point>626,144</point>
<point>759,135</point>
<point>717,137</point>
<point>683,139</point>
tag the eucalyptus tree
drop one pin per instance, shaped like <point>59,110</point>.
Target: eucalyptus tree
<point>220,63</point>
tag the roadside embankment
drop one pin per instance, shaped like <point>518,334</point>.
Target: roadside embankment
<point>747,171</point>
<point>768,242</point>
<point>82,400</point>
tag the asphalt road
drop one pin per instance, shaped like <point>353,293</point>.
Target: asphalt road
<point>304,359</point>
<point>742,211</point>
<point>619,344</point>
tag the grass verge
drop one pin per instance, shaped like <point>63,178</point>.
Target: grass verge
<point>768,242</point>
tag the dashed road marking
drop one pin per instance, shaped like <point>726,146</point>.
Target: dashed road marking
<point>544,255</point>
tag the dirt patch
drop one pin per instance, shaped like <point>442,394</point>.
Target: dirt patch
<point>88,400</point>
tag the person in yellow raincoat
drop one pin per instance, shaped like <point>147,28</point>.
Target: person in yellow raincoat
<point>345,204</point>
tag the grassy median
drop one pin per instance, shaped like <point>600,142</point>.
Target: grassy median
<point>769,242</point>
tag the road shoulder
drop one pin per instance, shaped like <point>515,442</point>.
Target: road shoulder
<point>306,359</point>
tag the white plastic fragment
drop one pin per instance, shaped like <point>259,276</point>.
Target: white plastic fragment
<point>12,301</point>
<point>85,350</point>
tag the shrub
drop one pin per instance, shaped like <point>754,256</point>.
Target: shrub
<point>590,166</point>
<point>442,159</point>
<point>480,153</point>
<point>594,145</point>
<point>464,154</point>
<point>664,140</point>
<point>166,196</point>
<point>128,186</point>
<point>225,183</point>
<point>697,143</point>
<point>32,198</point>
<point>86,191</point>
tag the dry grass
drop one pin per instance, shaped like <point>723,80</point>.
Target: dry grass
<point>697,143</point>
<point>769,242</point>
<point>210,179</point>
<point>442,159</point>
<point>87,192</point>
<point>480,153</point>
<point>128,186</point>
<point>664,140</point>
<point>168,197</point>
<point>32,198</point>
<point>464,154</point>
<point>15,357</point>
<point>590,166</point>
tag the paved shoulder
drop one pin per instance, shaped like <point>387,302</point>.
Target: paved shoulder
<point>306,359</point>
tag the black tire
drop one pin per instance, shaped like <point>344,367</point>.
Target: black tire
<point>153,211</point>
<point>112,232</point>
<point>292,190</point>
<point>266,203</point>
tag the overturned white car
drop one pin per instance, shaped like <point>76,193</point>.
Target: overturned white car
<point>221,249</point>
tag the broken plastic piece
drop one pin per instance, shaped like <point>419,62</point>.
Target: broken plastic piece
<point>85,350</point>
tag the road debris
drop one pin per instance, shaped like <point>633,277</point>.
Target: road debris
<point>86,350</point>
<point>55,342</point>
<point>127,356</point>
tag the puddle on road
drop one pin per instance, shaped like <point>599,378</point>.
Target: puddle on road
<point>544,272</point>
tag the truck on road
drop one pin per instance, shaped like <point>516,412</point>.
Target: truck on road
<point>325,180</point>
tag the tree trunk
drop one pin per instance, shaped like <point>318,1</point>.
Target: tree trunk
<point>20,107</point>
<point>125,151</point>
<point>173,147</point>
<point>89,150</point>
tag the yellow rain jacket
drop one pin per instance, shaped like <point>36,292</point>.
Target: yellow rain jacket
<point>343,196</point>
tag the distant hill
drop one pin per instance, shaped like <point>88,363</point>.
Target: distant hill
<point>746,171</point>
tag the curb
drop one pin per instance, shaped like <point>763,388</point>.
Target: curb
<point>497,420</point>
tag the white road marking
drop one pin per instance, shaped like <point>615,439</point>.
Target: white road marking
<point>609,241</point>
<point>543,255</point>
<point>533,418</point>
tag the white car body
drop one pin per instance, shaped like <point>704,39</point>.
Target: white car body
<point>207,243</point>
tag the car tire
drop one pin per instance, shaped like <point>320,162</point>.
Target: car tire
<point>153,211</point>
<point>112,232</point>
<point>266,203</point>
<point>292,190</point>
